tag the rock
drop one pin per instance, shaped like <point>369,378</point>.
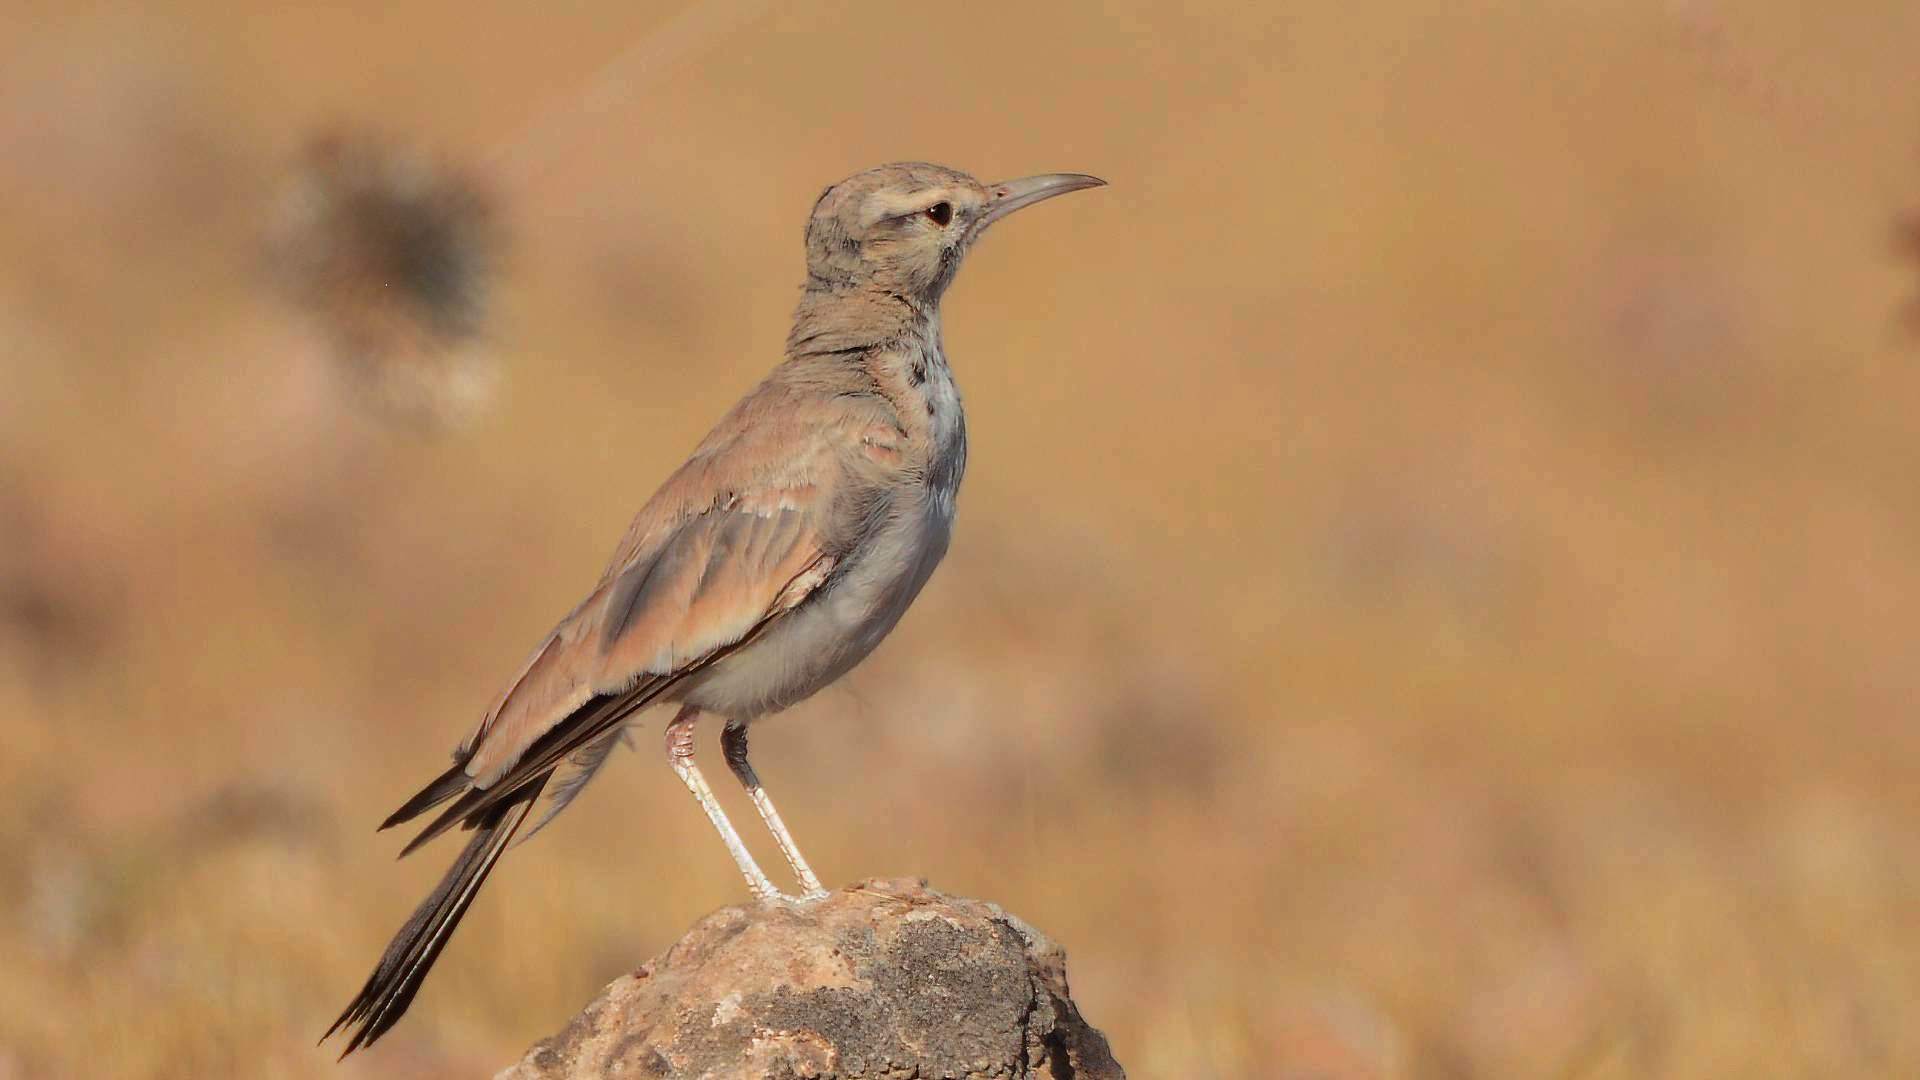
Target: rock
<point>887,979</point>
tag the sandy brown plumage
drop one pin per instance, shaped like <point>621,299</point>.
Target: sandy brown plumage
<point>770,563</point>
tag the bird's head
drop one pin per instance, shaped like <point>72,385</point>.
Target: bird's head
<point>903,228</point>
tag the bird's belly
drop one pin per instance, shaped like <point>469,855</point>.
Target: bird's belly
<point>825,637</point>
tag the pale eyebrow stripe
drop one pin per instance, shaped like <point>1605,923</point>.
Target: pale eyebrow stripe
<point>891,208</point>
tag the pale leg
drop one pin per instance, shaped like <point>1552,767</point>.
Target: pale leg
<point>733,742</point>
<point>680,756</point>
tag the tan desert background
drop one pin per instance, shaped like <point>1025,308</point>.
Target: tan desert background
<point>1433,593</point>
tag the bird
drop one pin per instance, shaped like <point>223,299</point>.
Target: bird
<point>764,568</point>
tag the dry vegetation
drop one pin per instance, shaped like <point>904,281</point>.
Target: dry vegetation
<point>1433,595</point>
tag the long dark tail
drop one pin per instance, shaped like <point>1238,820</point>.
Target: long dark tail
<point>402,968</point>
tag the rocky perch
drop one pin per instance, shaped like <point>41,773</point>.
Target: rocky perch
<point>886,979</point>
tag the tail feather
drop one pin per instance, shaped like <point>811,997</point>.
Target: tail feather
<point>574,775</point>
<point>402,968</point>
<point>460,813</point>
<point>581,728</point>
<point>445,786</point>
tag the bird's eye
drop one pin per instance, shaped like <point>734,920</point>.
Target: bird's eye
<point>940,213</point>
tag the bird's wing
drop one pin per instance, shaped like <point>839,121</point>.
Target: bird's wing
<point>744,532</point>
<point>711,583</point>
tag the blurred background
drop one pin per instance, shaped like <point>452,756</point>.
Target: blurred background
<point>1431,596</point>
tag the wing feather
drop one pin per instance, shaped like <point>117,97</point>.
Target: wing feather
<point>705,589</point>
<point>506,760</point>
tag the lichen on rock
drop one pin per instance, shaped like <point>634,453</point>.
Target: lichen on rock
<point>886,979</point>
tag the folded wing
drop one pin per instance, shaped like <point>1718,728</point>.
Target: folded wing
<point>708,588</point>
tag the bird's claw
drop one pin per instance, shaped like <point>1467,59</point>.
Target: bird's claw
<point>805,899</point>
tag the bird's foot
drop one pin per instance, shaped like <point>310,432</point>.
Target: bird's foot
<point>805,899</point>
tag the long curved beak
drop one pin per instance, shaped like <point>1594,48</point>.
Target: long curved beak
<point>1010,195</point>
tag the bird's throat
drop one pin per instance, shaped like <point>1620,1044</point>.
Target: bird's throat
<point>852,320</point>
